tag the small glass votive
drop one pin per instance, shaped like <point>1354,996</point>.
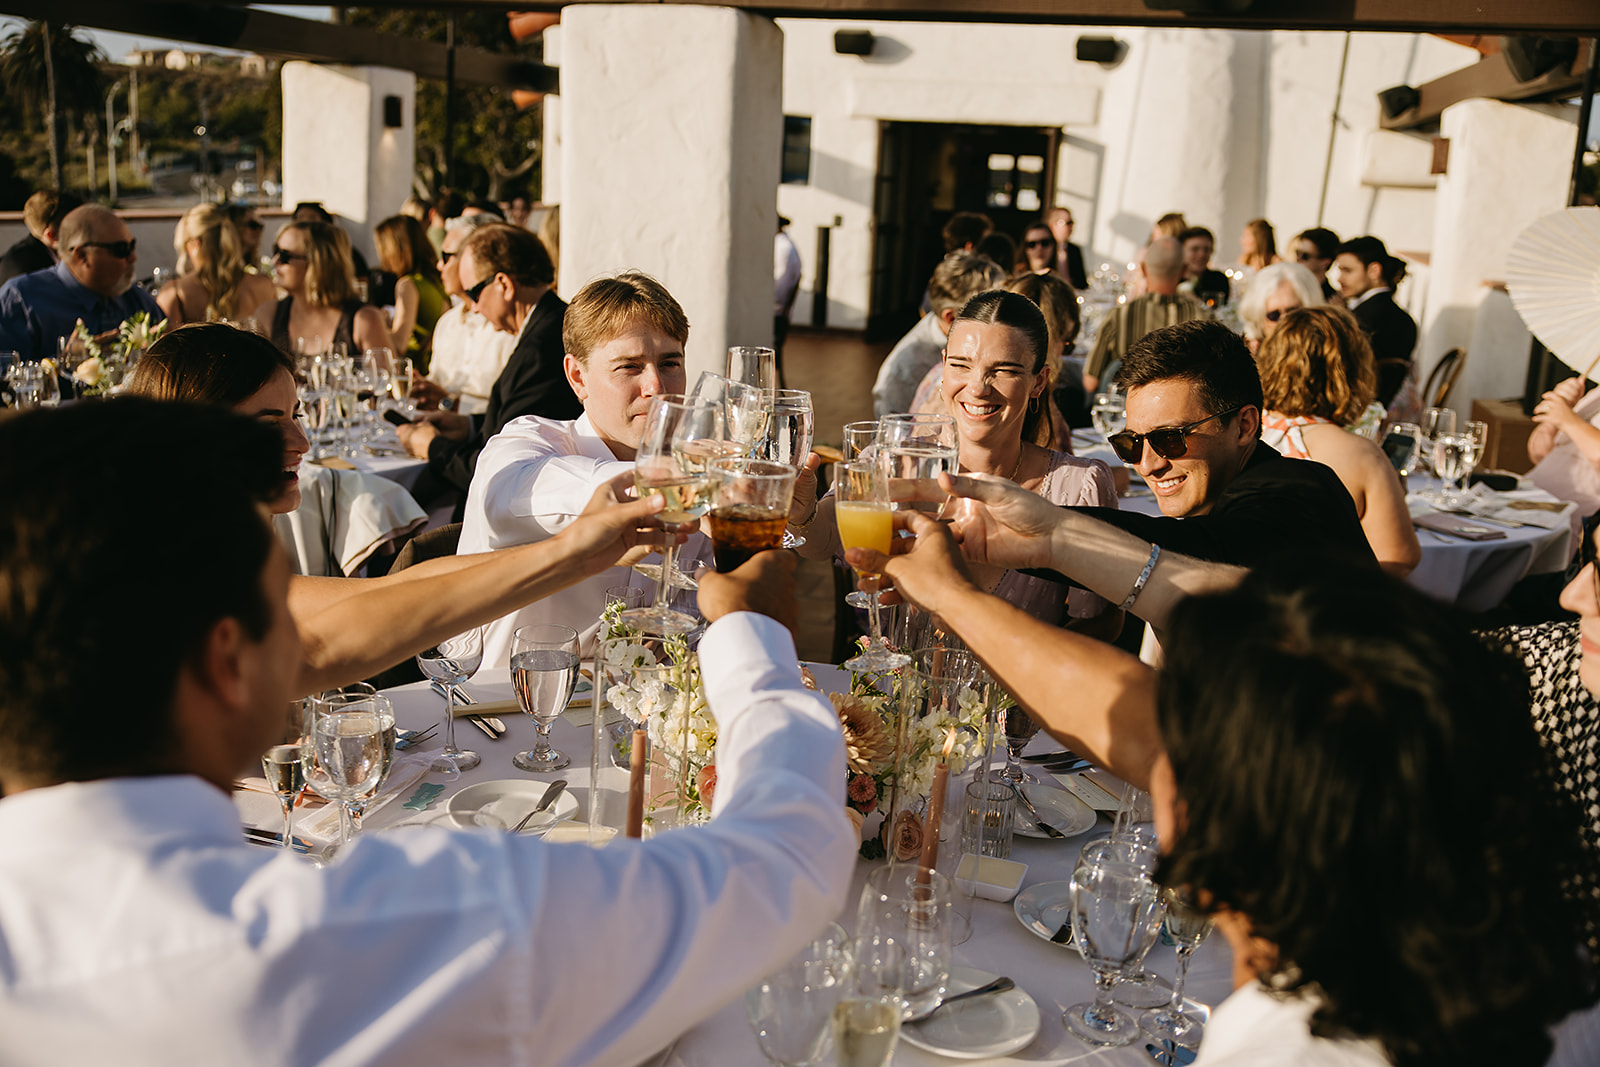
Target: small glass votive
<point>628,596</point>
<point>986,819</point>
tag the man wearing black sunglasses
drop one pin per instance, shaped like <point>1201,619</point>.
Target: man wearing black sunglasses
<point>92,284</point>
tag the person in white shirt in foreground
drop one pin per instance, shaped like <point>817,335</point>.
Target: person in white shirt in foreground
<point>149,658</point>
<point>1342,775</point>
<point>624,339</point>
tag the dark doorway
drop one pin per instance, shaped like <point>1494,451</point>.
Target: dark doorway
<point>927,172</point>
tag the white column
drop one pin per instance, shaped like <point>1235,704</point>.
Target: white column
<point>1508,165</point>
<point>336,148</point>
<point>671,128</point>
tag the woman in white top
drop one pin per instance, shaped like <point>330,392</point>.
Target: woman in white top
<point>1317,378</point>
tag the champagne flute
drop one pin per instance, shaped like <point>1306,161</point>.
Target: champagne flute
<point>669,463</point>
<point>449,663</point>
<point>285,771</point>
<point>1187,926</point>
<point>865,1032</point>
<point>1116,915</point>
<point>544,670</point>
<point>865,520</point>
<point>860,439</point>
<point>349,746</point>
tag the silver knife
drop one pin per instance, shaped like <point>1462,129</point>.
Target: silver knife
<point>257,836</point>
<point>478,721</point>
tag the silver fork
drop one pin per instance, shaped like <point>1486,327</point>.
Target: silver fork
<point>408,738</point>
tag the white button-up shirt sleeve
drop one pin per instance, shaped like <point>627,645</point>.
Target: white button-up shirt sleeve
<point>532,480</point>
<point>137,928</point>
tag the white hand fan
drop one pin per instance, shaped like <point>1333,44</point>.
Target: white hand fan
<point>1553,275</point>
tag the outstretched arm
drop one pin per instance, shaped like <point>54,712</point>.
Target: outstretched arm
<point>1111,716</point>
<point>376,623</point>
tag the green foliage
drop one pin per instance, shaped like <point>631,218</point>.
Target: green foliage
<point>54,73</point>
<point>497,146</point>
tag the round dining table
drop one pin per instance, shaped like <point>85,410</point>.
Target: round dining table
<point>1054,976</point>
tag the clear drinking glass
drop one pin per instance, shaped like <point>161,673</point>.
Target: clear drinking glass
<point>1187,926</point>
<point>1413,431</point>
<point>349,746</point>
<point>790,1008</point>
<point>1109,413</point>
<point>448,664</point>
<point>862,510</point>
<point>903,937</point>
<point>1116,915</point>
<point>1452,459</point>
<point>858,437</point>
<point>286,776</point>
<point>919,448</point>
<point>865,1032</point>
<point>744,409</point>
<point>752,507</point>
<point>671,461</point>
<point>987,819</point>
<point>544,670</point>
<point>629,596</point>
<point>753,366</point>
<point>786,438</point>
<point>1134,986</point>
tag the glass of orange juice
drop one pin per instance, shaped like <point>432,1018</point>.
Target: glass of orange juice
<point>866,520</point>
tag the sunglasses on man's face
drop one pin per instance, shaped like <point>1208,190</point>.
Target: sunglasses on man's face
<point>477,290</point>
<point>1168,442</point>
<point>1277,313</point>
<point>252,225</point>
<point>117,249</point>
<point>283,255</point>
<point>1046,243</point>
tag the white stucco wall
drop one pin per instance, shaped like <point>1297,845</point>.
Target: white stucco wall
<point>336,148</point>
<point>670,135</point>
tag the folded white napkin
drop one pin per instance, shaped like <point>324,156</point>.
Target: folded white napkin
<point>406,772</point>
<point>1489,504</point>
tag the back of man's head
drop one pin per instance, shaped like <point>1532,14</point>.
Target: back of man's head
<point>1163,264</point>
<point>1201,351</point>
<point>110,581</point>
<point>512,251</point>
<point>959,277</point>
<point>607,307</point>
<point>1324,240</point>
<point>965,229</point>
<point>45,211</point>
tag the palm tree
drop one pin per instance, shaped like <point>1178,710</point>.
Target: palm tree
<point>53,68</point>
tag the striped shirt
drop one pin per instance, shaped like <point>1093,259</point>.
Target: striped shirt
<point>1133,320</point>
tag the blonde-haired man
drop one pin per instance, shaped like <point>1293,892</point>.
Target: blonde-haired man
<point>624,339</point>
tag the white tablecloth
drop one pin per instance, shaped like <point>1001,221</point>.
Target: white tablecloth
<point>1054,976</point>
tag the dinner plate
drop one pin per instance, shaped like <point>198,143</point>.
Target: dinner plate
<point>1043,908</point>
<point>979,1028</point>
<point>505,802</point>
<point>1060,809</point>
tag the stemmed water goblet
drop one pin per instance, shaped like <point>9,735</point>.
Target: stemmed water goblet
<point>449,663</point>
<point>1116,915</point>
<point>673,460</point>
<point>349,744</point>
<point>1187,926</point>
<point>285,771</point>
<point>1452,459</point>
<point>862,510</point>
<point>544,670</point>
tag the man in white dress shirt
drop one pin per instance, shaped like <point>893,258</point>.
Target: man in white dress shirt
<point>149,659</point>
<point>624,339</point>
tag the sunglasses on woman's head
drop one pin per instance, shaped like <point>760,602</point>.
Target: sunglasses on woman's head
<point>1168,442</point>
<point>283,255</point>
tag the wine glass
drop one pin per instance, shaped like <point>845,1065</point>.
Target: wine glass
<point>786,438</point>
<point>1020,728</point>
<point>919,448</point>
<point>756,367</point>
<point>1452,456</point>
<point>670,462</point>
<point>349,747</point>
<point>448,664</point>
<point>1116,915</point>
<point>544,670</point>
<point>1109,413</point>
<point>1187,926</point>
<point>789,1009</point>
<point>903,937</point>
<point>1399,431</point>
<point>861,491</point>
<point>1479,433</point>
<point>285,772</point>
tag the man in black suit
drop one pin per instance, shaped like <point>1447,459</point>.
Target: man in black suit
<point>1367,277</point>
<point>42,214</point>
<point>508,277</point>
<point>1069,257</point>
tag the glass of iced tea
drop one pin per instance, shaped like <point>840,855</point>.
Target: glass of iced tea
<point>750,510</point>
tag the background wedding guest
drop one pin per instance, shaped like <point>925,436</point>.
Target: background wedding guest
<point>957,278</point>
<point>469,352</point>
<point>319,308</point>
<point>313,211</point>
<point>1314,250</point>
<point>1161,305</point>
<point>92,284</point>
<point>42,215</point>
<point>1367,277</point>
<point>1036,252</point>
<point>118,780</point>
<point>1169,225</point>
<point>243,217</point>
<point>1258,248</point>
<point>1199,279</point>
<point>331,521</point>
<point>1271,294</point>
<point>212,282</point>
<point>507,277</point>
<point>1069,257</point>
<point>1565,445</point>
<point>963,230</point>
<point>785,287</point>
<point>419,298</point>
<point>1317,379</point>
